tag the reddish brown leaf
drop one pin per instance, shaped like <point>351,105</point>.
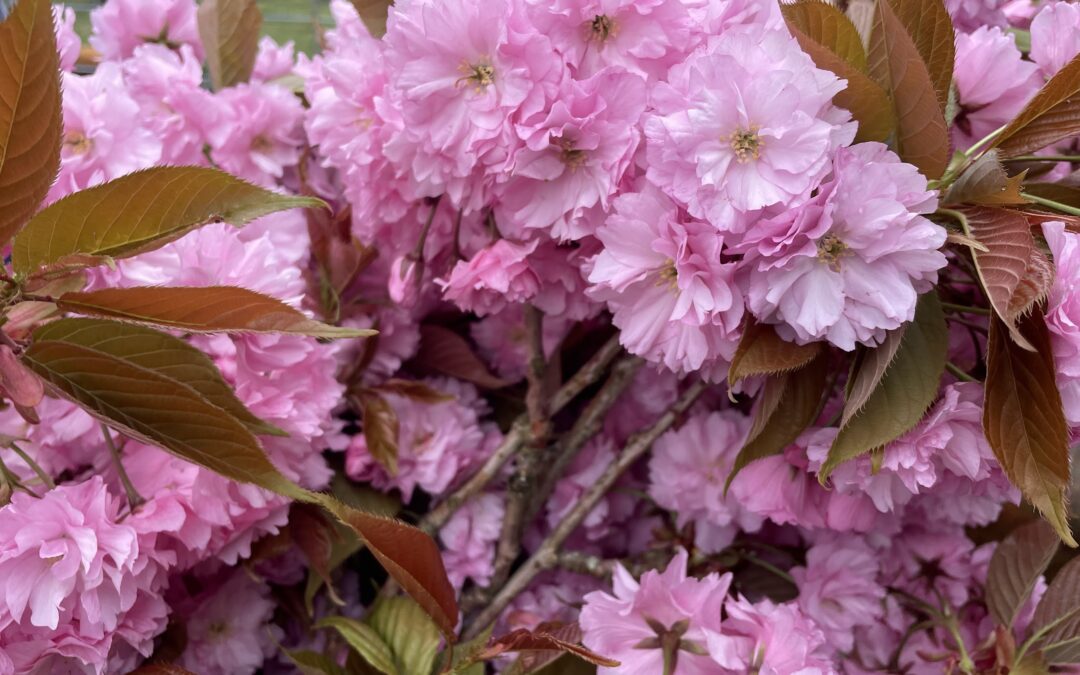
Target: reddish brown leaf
<point>410,556</point>
<point>1068,195</point>
<point>209,309</point>
<point>230,36</point>
<point>1052,115</point>
<point>1007,236</point>
<point>415,390</point>
<point>381,430</point>
<point>1023,418</point>
<point>1033,287</point>
<point>762,352</point>
<point>550,636</point>
<point>909,46</point>
<point>315,537</point>
<point>29,112</point>
<point>833,42</point>
<point>373,14</point>
<point>985,182</point>
<point>444,351</point>
<point>1017,563</point>
<point>1058,615</point>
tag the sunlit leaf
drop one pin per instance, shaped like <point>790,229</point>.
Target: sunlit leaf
<point>210,309</point>
<point>229,30</point>
<point>904,392</point>
<point>412,638</point>
<point>444,351</point>
<point>365,640</point>
<point>1017,563</point>
<point>381,430</point>
<point>1023,418</point>
<point>554,636</point>
<point>1052,115</point>
<point>833,42</point>
<point>164,354</point>
<point>30,125</point>
<point>985,182</point>
<point>787,405</point>
<point>139,212</point>
<point>762,352</point>
<point>373,14</point>
<point>1058,614</point>
<point>911,54</point>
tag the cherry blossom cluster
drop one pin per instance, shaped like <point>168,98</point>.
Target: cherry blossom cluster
<point>535,177</point>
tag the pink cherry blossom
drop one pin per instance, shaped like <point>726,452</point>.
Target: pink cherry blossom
<point>263,136</point>
<point>769,638</point>
<point>1055,36</point>
<point>1063,315</point>
<point>970,15</point>
<point>469,540</point>
<point>122,25</point>
<point>68,42</point>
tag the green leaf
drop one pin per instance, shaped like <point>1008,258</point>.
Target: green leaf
<point>365,640</point>
<point>30,126</point>
<point>207,309</point>
<point>868,369</point>
<point>106,376</point>
<point>229,30</point>
<point>313,663</point>
<point>903,393</point>
<point>412,638</point>
<point>762,352</point>
<point>1016,565</point>
<point>834,44</point>
<point>1052,115</point>
<point>380,422</point>
<point>464,661</point>
<point>789,403</point>
<point>1023,418</point>
<point>911,55</point>
<point>161,353</point>
<point>139,212</point>
<point>1058,616</point>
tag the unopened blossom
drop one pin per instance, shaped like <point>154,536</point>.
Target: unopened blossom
<point>993,83</point>
<point>641,37</point>
<point>849,265</point>
<point>1063,315</point>
<point>79,592</point>
<point>1055,36</point>
<point>838,588</point>
<point>263,132</point>
<point>574,153</point>
<point>662,276</point>
<point>688,474</point>
<point>462,69</point>
<point>228,627</point>
<point>122,25</point>
<point>469,540</point>
<point>741,125</point>
<point>631,623</point>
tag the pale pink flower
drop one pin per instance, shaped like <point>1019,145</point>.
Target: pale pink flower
<point>770,639</point>
<point>469,539</point>
<point>662,277</point>
<point>838,588</point>
<point>68,42</point>
<point>502,339</point>
<point>78,587</point>
<point>462,71</point>
<point>122,25</point>
<point>651,393</point>
<point>1063,315</point>
<point>437,442</point>
<point>273,60</point>
<point>495,276</point>
<point>968,15</point>
<point>646,38</point>
<point>849,265</point>
<point>228,627</point>
<point>688,471</point>
<point>582,473</point>
<point>105,132</point>
<point>615,625</point>
<point>264,132</point>
<point>744,124</point>
<point>1019,13</point>
<point>712,18</point>
<point>574,153</point>
<point>1055,36</point>
<point>993,83</point>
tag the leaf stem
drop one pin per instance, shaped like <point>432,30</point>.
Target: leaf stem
<point>1057,206</point>
<point>769,567</point>
<point>984,140</point>
<point>135,500</point>
<point>34,466</point>
<point>965,309</point>
<point>1044,158</point>
<point>949,623</point>
<point>958,372</point>
<point>959,217</point>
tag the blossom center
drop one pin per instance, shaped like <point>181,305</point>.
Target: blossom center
<point>570,155</point>
<point>479,74</point>
<point>830,250</point>
<point>602,27</point>
<point>669,276</point>
<point>747,144</point>
<point>77,143</point>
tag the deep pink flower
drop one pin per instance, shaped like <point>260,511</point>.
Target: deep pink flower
<point>849,265</point>
<point>122,25</point>
<point>616,624</point>
<point>993,83</point>
<point>688,471</point>
<point>273,60</point>
<point>1055,36</point>
<point>469,539</point>
<point>770,639</point>
<point>263,132</point>
<point>662,277</point>
<point>495,276</point>
<point>743,124</point>
<point>574,153</point>
<point>1063,314</point>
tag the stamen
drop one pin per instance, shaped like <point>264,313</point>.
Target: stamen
<point>77,143</point>
<point>480,74</point>
<point>831,250</point>
<point>570,155</point>
<point>747,144</point>
<point>602,27</point>
<point>669,276</point>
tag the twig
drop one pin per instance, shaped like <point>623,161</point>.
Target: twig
<point>582,563</point>
<point>135,500</point>
<point>546,555</point>
<point>588,374</point>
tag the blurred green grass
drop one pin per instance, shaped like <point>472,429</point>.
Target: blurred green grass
<point>283,20</point>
